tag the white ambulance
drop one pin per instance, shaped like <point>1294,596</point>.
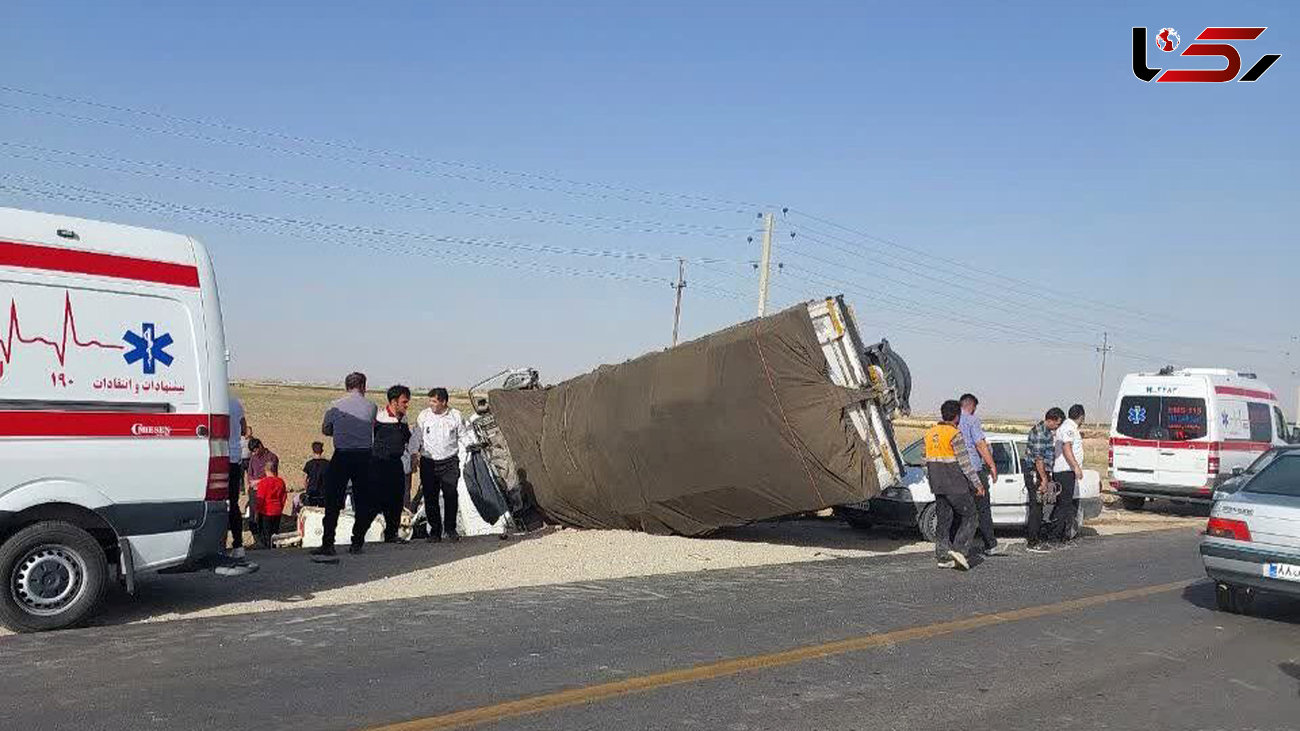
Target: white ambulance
<point>1179,432</point>
<point>114,415</point>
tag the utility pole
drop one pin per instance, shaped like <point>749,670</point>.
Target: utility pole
<point>677,310</point>
<point>765,264</point>
<point>1101,382</point>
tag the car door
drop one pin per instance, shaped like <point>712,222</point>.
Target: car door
<point>1007,493</point>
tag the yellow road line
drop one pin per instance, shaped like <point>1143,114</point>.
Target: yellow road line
<point>723,668</point>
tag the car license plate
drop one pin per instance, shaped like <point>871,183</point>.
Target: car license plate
<point>1284,571</point>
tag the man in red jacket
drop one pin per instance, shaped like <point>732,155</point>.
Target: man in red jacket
<point>271,496</point>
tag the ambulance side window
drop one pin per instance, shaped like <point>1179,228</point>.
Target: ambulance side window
<point>1283,432</point>
<point>1261,422</point>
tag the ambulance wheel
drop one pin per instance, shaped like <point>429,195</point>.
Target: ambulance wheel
<point>928,522</point>
<point>54,577</point>
<point>1132,502</point>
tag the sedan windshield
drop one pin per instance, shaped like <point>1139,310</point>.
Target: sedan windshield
<point>1279,477</point>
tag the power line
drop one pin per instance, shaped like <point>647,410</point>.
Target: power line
<point>364,149</point>
<point>208,212</point>
<point>349,194</point>
<point>370,162</point>
<point>1037,291</point>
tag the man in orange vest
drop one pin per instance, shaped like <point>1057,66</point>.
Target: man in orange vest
<point>955,483</point>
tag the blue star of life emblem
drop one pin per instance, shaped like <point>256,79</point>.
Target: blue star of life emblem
<point>1137,415</point>
<point>1225,419</point>
<point>148,347</point>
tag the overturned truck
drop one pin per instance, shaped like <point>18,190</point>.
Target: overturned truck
<point>780,415</point>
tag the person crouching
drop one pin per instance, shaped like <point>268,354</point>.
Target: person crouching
<point>387,477</point>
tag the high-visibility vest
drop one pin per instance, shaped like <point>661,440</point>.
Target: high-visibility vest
<point>938,443</point>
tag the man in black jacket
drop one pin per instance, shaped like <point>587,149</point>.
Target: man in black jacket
<point>387,477</point>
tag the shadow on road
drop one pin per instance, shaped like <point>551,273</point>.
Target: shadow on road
<point>829,533</point>
<point>287,575</point>
<point>1291,670</point>
<point>1270,607</point>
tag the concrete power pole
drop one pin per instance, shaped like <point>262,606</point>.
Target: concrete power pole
<point>677,310</point>
<point>1101,382</point>
<point>765,264</point>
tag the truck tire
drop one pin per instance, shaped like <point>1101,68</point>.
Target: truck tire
<point>54,576</point>
<point>1132,502</point>
<point>928,522</point>
<point>855,518</point>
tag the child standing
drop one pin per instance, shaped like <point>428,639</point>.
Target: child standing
<point>271,497</point>
<point>313,481</point>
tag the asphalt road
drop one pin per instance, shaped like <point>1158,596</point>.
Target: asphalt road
<point>880,643</point>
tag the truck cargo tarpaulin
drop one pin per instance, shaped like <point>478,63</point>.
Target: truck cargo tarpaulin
<point>767,418</point>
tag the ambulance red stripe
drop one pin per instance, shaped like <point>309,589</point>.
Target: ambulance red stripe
<point>1247,392</point>
<point>73,261</point>
<point>127,425</point>
<point>1231,445</point>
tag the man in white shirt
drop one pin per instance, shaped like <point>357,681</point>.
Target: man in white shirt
<point>238,425</point>
<point>1067,471</point>
<point>441,428</point>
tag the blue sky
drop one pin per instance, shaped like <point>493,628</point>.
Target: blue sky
<point>1043,192</point>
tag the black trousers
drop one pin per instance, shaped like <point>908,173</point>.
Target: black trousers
<point>235,521</point>
<point>382,496</point>
<point>440,476</point>
<point>984,509</point>
<point>1063,513</point>
<point>1034,517</point>
<point>269,525</point>
<point>347,465</point>
<point>959,508</point>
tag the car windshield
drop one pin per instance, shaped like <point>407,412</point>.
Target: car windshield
<point>1263,460</point>
<point>914,454</point>
<point>1279,477</point>
<point>1165,418</point>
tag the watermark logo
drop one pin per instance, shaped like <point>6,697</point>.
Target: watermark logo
<point>1168,40</point>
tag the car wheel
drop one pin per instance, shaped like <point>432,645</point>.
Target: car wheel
<point>54,577</point>
<point>1132,503</point>
<point>928,522</point>
<point>855,518</point>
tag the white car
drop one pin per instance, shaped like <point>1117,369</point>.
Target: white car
<point>1252,541</point>
<point>912,504</point>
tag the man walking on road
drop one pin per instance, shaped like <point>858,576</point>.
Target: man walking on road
<point>351,422</point>
<point>387,478</point>
<point>441,429</point>
<point>981,455</point>
<point>955,483</point>
<point>1068,472</point>
<point>1041,455</point>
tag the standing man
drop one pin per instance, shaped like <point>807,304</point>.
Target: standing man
<point>238,425</point>
<point>313,476</point>
<point>387,478</point>
<point>1041,454</point>
<point>1068,472</point>
<point>441,429</point>
<point>351,422</point>
<point>955,483</point>
<point>981,455</point>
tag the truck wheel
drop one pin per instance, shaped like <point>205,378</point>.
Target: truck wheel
<point>54,577</point>
<point>928,522</point>
<point>1131,502</point>
<point>855,518</point>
